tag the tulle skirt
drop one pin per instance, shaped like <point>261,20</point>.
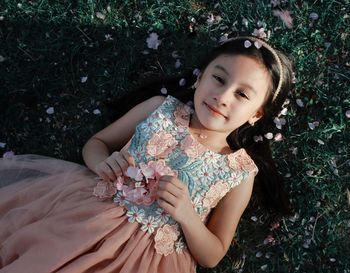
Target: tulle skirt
<point>51,222</point>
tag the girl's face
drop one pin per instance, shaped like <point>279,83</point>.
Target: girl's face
<point>236,87</point>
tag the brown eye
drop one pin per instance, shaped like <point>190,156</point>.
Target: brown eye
<point>219,79</point>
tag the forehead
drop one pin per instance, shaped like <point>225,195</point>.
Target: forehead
<point>243,70</point>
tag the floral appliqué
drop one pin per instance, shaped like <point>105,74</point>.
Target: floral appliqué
<point>191,147</point>
<point>165,239</point>
<point>161,144</point>
<point>182,115</point>
<point>105,190</point>
<point>240,160</point>
<point>215,193</point>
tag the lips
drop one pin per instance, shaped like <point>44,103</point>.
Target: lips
<point>215,110</point>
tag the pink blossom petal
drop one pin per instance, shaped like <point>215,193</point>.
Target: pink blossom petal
<point>152,41</point>
<point>147,171</point>
<point>278,137</point>
<point>257,44</point>
<point>119,183</point>
<point>310,172</point>
<point>247,44</point>
<point>285,16</point>
<point>135,173</point>
<point>8,155</point>
<point>182,82</point>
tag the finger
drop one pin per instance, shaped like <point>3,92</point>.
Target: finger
<point>171,188</point>
<point>109,170</point>
<point>167,196</point>
<point>99,170</point>
<point>114,166</point>
<point>102,175</point>
<point>122,163</point>
<point>173,180</point>
<point>128,157</point>
<point>166,206</point>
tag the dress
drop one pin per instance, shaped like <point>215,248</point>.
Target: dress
<point>59,217</point>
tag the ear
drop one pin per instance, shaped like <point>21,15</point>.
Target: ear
<point>258,115</point>
<point>198,80</point>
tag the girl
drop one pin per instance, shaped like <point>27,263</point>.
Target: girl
<point>173,177</point>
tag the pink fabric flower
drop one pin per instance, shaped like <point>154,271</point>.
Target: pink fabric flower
<point>134,173</point>
<point>165,239</point>
<point>119,183</point>
<point>215,193</point>
<point>161,168</point>
<point>181,116</point>
<point>240,160</point>
<point>142,185</point>
<point>191,147</point>
<point>147,171</point>
<point>104,190</point>
<point>161,144</point>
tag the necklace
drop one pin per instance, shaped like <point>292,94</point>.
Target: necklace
<point>202,136</point>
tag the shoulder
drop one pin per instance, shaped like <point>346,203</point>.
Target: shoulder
<point>241,160</point>
<point>153,102</point>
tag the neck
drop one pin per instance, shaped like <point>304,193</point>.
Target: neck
<point>210,138</point>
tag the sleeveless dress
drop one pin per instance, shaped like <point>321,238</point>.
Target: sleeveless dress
<point>58,216</point>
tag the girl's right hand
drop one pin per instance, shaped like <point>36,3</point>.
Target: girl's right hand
<point>114,165</point>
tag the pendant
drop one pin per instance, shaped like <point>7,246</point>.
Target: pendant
<point>202,136</point>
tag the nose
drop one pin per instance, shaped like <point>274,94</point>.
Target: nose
<point>222,97</point>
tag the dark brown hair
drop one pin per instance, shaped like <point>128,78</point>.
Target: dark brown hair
<point>268,185</point>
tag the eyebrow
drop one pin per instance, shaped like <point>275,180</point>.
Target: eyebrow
<point>228,74</point>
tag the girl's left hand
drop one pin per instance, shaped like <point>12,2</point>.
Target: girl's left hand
<point>174,198</point>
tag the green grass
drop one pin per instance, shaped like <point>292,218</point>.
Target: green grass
<point>48,46</point>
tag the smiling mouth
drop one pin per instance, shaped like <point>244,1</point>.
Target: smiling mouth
<point>213,110</point>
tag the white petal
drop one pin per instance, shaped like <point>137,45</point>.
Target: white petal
<point>83,79</point>
<point>97,112</point>
<point>347,114</point>
<point>300,103</point>
<point>320,141</point>
<point>182,82</point>
<point>196,72</point>
<point>269,135</point>
<point>311,125</point>
<point>247,44</point>
<point>100,15</point>
<point>177,63</point>
<point>152,41</point>
<point>50,110</point>
<point>310,172</point>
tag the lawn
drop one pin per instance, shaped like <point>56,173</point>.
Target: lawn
<point>62,61</point>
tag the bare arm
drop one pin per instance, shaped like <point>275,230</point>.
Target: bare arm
<point>117,134</point>
<point>209,244</point>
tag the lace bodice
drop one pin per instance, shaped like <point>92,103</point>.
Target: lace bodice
<point>164,143</point>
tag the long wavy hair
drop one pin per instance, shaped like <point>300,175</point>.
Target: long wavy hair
<point>268,185</point>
